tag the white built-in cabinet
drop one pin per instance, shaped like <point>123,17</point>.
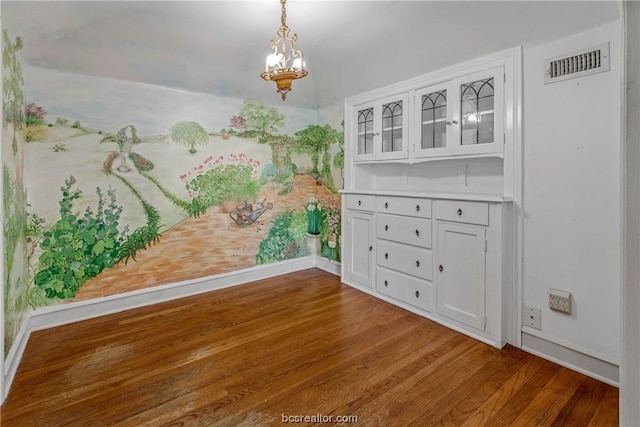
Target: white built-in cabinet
<point>361,239</point>
<point>382,126</point>
<point>462,116</point>
<point>461,273</point>
<point>427,197</point>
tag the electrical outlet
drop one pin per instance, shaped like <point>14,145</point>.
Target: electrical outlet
<point>560,301</point>
<point>532,317</point>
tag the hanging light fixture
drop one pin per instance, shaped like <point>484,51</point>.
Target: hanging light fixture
<point>286,63</point>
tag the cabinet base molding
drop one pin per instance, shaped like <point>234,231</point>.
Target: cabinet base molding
<point>589,365</point>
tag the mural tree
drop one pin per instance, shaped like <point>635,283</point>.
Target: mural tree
<point>266,121</point>
<point>35,125</point>
<point>338,159</point>
<point>316,140</point>
<point>12,82</point>
<point>190,134</point>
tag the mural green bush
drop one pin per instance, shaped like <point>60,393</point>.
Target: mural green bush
<point>77,248</point>
<point>143,236</point>
<point>231,181</point>
<point>141,163</point>
<point>284,239</point>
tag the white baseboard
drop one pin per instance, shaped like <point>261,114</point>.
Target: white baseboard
<point>573,358</point>
<point>12,361</point>
<point>328,266</point>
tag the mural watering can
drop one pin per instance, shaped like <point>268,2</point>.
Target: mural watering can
<point>245,215</point>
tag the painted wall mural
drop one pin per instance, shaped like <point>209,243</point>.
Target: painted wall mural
<point>116,208</point>
<point>16,239</point>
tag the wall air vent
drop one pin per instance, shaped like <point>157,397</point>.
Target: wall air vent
<point>577,64</point>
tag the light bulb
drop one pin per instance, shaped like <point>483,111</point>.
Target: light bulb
<point>274,59</point>
<point>297,63</point>
<point>473,118</point>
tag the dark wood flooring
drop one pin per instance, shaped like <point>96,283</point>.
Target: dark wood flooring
<point>297,345</point>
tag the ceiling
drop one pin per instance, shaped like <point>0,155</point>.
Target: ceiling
<point>219,46</point>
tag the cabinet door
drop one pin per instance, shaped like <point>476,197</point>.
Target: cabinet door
<point>433,121</point>
<point>358,252</point>
<point>460,273</point>
<point>364,122</point>
<point>393,116</point>
<point>479,112</point>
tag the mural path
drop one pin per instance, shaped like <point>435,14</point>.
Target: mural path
<point>201,247</point>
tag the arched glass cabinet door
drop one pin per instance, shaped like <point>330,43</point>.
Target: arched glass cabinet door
<point>393,113</point>
<point>481,113</point>
<point>432,119</point>
<point>365,131</point>
<point>477,100</point>
<point>364,124</point>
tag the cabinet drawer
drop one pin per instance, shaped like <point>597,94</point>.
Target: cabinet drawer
<point>409,206</point>
<point>407,259</point>
<point>459,211</point>
<point>413,231</point>
<point>362,202</point>
<point>411,290</point>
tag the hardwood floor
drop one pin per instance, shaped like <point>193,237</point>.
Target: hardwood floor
<point>295,345</point>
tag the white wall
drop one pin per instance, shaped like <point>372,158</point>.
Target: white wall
<point>572,196</point>
<point>630,370</point>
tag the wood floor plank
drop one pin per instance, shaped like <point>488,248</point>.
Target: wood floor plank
<point>299,344</point>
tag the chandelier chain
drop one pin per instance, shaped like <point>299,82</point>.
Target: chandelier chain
<point>283,15</point>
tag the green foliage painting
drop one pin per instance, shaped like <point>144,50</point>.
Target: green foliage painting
<point>12,86</point>
<point>14,253</point>
<point>78,247</point>
<point>255,116</point>
<point>215,181</point>
<point>284,239</point>
<point>316,140</point>
<point>190,134</point>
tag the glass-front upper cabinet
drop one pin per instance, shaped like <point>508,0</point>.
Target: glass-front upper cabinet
<point>365,132</point>
<point>381,129</point>
<point>433,120</point>
<point>460,117</point>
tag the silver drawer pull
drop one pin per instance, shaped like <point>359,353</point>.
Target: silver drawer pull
<point>418,233</point>
<point>459,212</point>
<point>418,264</point>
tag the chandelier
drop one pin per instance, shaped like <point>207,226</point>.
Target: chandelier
<point>286,63</point>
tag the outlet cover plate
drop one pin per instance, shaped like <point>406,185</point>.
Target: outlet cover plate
<point>532,317</point>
